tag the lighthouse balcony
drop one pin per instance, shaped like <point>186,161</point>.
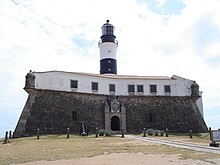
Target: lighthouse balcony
<point>102,41</point>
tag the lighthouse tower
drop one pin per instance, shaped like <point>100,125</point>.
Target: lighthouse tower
<point>108,48</point>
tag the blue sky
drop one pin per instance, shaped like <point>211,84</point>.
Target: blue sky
<point>156,37</point>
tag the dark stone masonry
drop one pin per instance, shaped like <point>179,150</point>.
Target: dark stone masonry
<point>178,114</point>
<point>55,111</point>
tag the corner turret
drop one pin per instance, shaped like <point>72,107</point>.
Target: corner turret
<point>195,89</point>
<point>30,81</point>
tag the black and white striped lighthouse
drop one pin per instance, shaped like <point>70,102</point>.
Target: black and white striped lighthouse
<point>108,49</point>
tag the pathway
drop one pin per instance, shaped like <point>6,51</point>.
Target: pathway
<point>177,144</point>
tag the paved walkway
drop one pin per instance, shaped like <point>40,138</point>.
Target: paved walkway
<point>178,144</point>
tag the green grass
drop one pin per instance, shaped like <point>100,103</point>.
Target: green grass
<point>58,147</point>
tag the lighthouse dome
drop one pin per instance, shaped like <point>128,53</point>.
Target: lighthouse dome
<point>108,29</point>
<point>108,32</point>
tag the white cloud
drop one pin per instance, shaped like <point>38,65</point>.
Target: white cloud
<point>63,35</point>
<point>160,2</point>
<point>212,50</point>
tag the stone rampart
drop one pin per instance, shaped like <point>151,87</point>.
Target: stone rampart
<point>55,111</point>
<point>178,114</point>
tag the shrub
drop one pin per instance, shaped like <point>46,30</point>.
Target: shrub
<point>108,133</point>
<point>150,131</point>
<point>101,132</point>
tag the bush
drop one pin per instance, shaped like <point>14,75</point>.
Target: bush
<point>105,132</point>
<point>161,133</point>
<point>108,133</point>
<point>150,131</point>
<point>101,132</point>
<point>155,132</point>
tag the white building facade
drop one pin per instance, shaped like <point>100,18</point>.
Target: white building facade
<point>119,85</point>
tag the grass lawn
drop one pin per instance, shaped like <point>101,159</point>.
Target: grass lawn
<point>58,147</point>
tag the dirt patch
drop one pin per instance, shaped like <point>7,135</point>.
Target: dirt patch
<point>128,159</point>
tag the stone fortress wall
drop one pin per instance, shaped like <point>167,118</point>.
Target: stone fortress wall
<point>55,111</point>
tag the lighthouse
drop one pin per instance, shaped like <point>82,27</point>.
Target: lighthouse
<point>108,49</point>
<point>109,101</point>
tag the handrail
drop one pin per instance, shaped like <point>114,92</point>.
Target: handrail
<point>100,42</point>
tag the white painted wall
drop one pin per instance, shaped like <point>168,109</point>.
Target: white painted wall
<point>108,50</point>
<point>56,80</point>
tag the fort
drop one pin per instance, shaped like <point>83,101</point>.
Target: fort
<point>59,100</point>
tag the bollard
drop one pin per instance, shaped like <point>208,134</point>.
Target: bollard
<point>210,133</point>
<point>38,133</point>
<point>10,135</point>
<point>6,137</point>
<point>144,132</point>
<point>68,133</point>
<point>122,132</point>
<point>87,130</point>
<point>96,132</point>
<point>166,132</point>
<point>190,134</point>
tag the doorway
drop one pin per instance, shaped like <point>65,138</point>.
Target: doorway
<point>115,123</point>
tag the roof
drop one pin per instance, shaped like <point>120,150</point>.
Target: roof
<point>111,75</point>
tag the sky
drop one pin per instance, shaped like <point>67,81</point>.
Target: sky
<point>156,38</point>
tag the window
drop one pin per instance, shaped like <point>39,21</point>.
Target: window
<point>109,62</point>
<point>112,87</point>
<point>109,29</point>
<point>109,51</point>
<point>140,88</point>
<point>167,89</point>
<point>149,118</point>
<point>153,88</point>
<point>109,69</point>
<point>94,86</point>
<point>131,89</point>
<point>74,116</point>
<point>73,83</point>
